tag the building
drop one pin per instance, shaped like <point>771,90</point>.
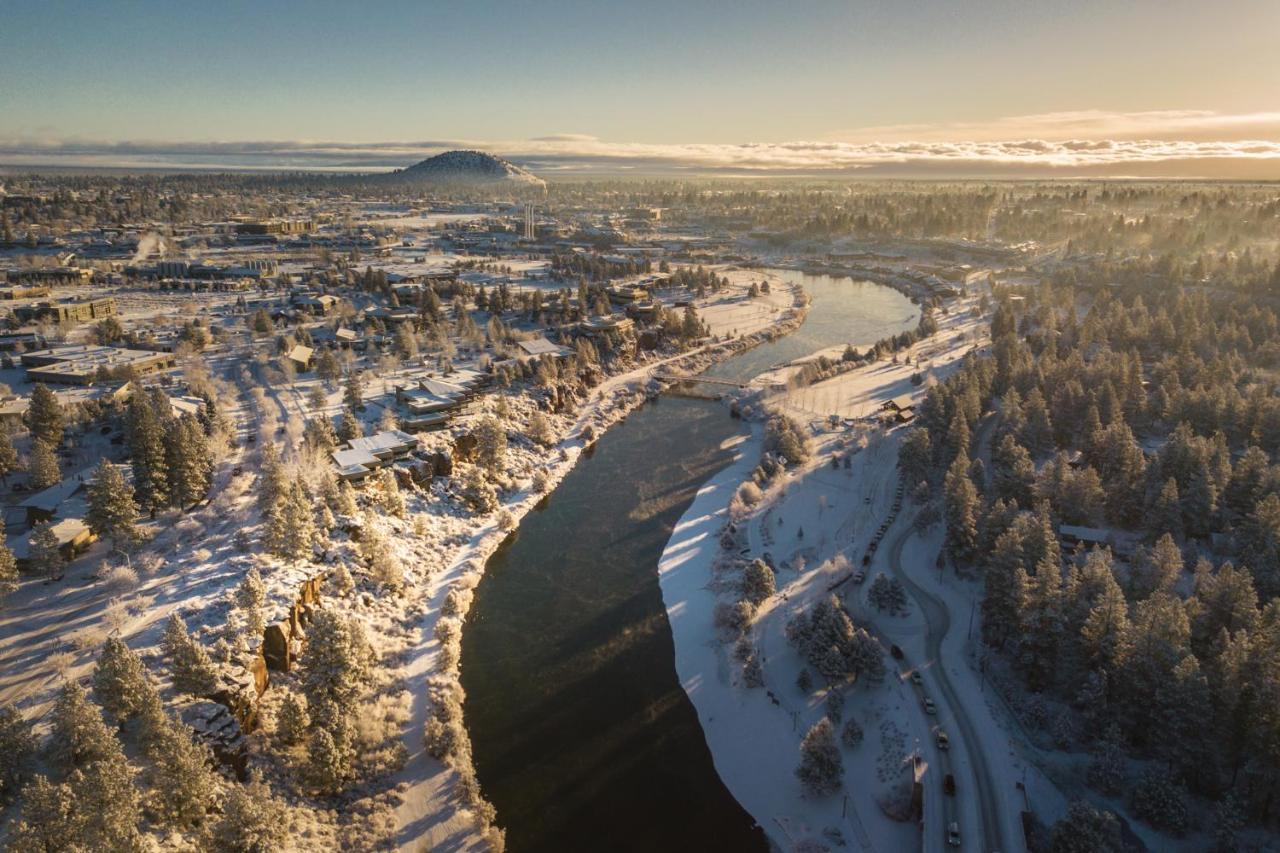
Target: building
<point>67,310</point>
<point>79,364</point>
<point>302,357</point>
<point>276,226</point>
<point>363,455</point>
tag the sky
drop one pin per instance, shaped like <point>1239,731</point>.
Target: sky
<point>984,87</point>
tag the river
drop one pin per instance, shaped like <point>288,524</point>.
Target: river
<point>582,735</point>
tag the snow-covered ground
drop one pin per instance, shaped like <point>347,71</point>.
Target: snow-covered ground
<point>816,525</point>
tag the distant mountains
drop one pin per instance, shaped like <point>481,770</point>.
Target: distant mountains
<point>466,167</point>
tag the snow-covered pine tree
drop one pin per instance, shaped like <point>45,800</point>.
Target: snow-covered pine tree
<point>758,582</point>
<point>335,669</point>
<point>8,456</point>
<point>44,416</point>
<point>253,820</point>
<point>17,751</point>
<point>329,763</point>
<point>44,556</point>
<point>189,460</point>
<point>42,465</point>
<point>192,668</point>
<point>8,573</point>
<point>251,595</point>
<point>292,720</point>
<point>182,783</point>
<point>119,680</point>
<point>79,734</point>
<point>112,511</point>
<point>821,769</point>
<point>145,427</point>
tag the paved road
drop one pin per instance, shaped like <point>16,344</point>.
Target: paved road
<point>938,622</point>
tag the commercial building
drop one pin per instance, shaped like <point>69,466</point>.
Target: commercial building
<point>84,364</point>
<point>67,310</point>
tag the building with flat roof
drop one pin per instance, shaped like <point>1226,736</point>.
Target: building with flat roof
<point>67,310</point>
<point>82,364</point>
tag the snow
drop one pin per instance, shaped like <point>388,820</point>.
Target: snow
<point>839,512</point>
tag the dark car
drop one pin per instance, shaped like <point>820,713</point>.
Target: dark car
<point>949,785</point>
<point>896,652</point>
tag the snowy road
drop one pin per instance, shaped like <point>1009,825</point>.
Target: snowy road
<point>938,621</point>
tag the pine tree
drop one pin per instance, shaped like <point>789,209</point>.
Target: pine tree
<point>106,804</point>
<point>192,668</point>
<point>1042,624</point>
<point>298,524</point>
<point>353,394</point>
<point>961,509</point>
<point>112,511</point>
<point>329,764</point>
<point>821,770</point>
<point>79,735</point>
<point>251,595</point>
<point>43,465</point>
<point>391,498</point>
<point>8,456</point>
<point>349,426</point>
<point>8,573</point>
<point>1004,589</point>
<point>335,669</point>
<point>292,721</point>
<point>50,819</point>
<point>182,782</point>
<point>1086,830</point>
<point>319,436</point>
<point>119,680</point>
<point>17,751</point>
<point>1166,513</point>
<point>145,426</point>
<point>44,555</point>
<point>1156,570</point>
<point>492,447</point>
<point>758,582</point>
<point>252,820</point>
<point>189,463</point>
<point>477,493</point>
<point>44,416</point>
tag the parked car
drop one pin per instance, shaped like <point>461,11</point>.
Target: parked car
<point>916,677</point>
<point>953,834</point>
<point>944,742</point>
<point>929,707</point>
<point>896,652</point>
<point>859,577</point>
<point>866,559</point>
<point>949,785</point>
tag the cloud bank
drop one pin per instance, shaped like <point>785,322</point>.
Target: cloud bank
<point>1085,144</point>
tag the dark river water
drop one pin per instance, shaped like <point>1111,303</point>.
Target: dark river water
<point>583,737</point>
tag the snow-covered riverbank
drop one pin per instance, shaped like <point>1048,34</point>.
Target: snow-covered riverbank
<point>430,812</point>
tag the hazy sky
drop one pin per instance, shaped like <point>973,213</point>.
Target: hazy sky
<point>642,74</point>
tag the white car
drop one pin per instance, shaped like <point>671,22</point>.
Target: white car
<point>929,707</point>
<point>944,742</point>
<point>953,834</point>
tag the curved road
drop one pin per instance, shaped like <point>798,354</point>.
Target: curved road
<point>938,622</point>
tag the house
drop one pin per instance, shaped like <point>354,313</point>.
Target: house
<point>302,357</point>
<point>83,364</point>
<point>73,536</point>
<point>57,500</point>
<point>901,403</point>
<point>541,346</point>
<point>363,455</point>
<point>1122,544</point>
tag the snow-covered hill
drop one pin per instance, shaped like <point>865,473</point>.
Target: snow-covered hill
<point>467,167</point>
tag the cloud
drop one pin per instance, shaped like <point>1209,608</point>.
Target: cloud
<point>1184,125</point>
<point>578,154</point>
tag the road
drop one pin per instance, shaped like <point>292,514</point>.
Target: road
<point>938,622</point>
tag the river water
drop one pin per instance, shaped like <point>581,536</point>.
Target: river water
<point>583,737</point>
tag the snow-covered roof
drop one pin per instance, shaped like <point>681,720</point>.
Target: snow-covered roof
<point>301,354</point>
<point>541,346</point>
<point>352,457</point>
<point>51,498</point>
<point>387,441</point>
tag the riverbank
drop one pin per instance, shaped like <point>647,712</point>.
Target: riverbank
<point>815,524</point>
<point>432,811</point>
